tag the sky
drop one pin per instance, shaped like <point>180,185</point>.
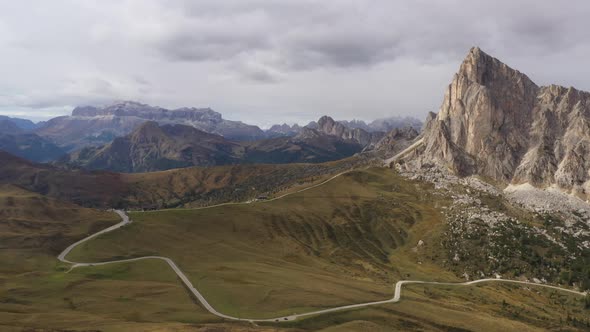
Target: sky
<point>269,61</point>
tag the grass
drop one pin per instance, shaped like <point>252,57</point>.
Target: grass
<point>35,291</point>
<point>342,243</point>
<point>329,246</point>
<point>493,307</point>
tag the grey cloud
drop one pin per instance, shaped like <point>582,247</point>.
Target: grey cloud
<point>192,47</point>
<point>364,33</point>
<point>299,56</point>
<point>257,73</point>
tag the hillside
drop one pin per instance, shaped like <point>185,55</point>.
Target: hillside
<point>151,147</point>
<point>23,124</point>
<point>309,145</point>
<point>34,221</point>
<point>194,185</point>
<point>347,242</point>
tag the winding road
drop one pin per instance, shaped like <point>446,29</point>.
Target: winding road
<point>185,280</point>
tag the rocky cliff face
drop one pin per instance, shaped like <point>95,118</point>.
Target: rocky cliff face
<point>328,126</point>
<point>283,130</point>
<point>396,140</point>
<point>494,121</point>
<point>384,124</point>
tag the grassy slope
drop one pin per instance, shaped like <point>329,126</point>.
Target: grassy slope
<point>195,185</point>
<point>326,247</point>
<point>341,243</point>
<point>35,291</point>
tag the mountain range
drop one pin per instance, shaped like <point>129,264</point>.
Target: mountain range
<point>90,125</point>
<point>153,147</point>
<point>16,138</point>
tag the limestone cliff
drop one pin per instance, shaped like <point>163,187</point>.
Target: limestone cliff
<point>495,122</point>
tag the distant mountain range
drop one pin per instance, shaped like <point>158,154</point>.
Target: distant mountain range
<point>153,147</point>
<point>96,126</point>
<point>89,125</point>
<point>385,124</point>
<point>15,138</point>
<point>96,136</point>
<point>24,124</point>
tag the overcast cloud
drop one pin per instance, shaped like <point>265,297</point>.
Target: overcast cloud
<point>269,61</point>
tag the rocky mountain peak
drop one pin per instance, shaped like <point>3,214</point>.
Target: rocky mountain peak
<point>495,122</point>
<point>329,126</point>
<point>327,122</point>
<point>484,69</point>
<point>484,120</point>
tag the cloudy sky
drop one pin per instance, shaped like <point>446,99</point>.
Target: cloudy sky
<point>269,61</point>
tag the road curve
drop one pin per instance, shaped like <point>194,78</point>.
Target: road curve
<point>396,295</point>
<point>125,221</point>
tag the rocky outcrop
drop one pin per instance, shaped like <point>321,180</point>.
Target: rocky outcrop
<point>283,130</point>
<point>384,124</point>
<point>396,140</point>
<point>328,126</point>
<point>309,145</point>
<point>495,122</point>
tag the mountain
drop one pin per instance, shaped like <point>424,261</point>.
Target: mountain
<point>388,124</point>
<point>380,125</point>
<point>15,140</point>
<point>309,145</point>
<point>8,127</point>
<point>24,124</point>
<point>354,124</point>
<point>384,124</point>
<point>495,122</point>
<point>31,147</point>
<point>396,140</point>
<point>328,126</point>
<point>152,147</point>
<point>94,126</point>
<point>283,130</point>
<point>194,186</point>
